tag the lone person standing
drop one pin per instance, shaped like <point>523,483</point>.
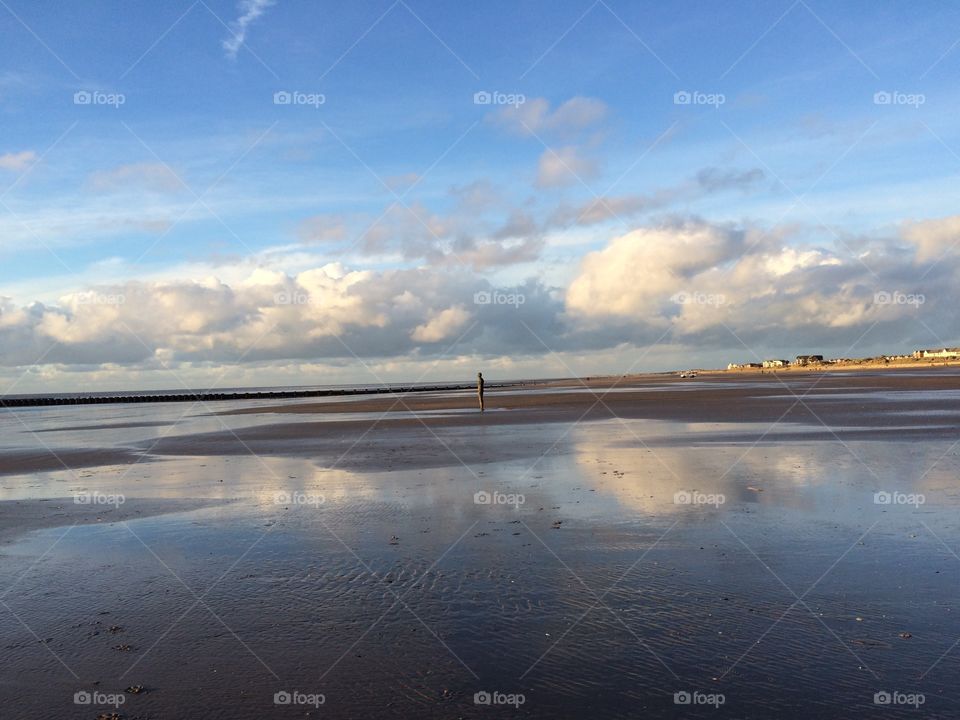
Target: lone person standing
<point>480,390</point>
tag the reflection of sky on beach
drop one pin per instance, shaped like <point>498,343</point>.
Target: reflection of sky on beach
<point>310,579</point>
<point>876,395</point>
<point>611,469</point>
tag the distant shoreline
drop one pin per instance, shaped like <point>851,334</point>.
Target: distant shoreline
<point>920,364</point>
<point>208,396</point>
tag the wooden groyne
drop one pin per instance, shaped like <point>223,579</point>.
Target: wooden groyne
<point>208,396</point>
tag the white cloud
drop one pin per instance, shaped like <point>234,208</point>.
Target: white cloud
<point>328,311</point>
<point>713,284</point>
<point>17,161</point>
<point>442,326</point>
<point>934,238</point>
<point>766,288</point>
<point>635,273</point>
<point>249,10</point>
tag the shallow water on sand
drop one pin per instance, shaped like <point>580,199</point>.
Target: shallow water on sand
<point>771,574</point>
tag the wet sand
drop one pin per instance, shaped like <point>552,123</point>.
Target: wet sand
<point>719,396</point>
<point>405,432</point>
<point>685,540</point>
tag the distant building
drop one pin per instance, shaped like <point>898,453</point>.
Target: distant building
<point>744,366</point>
<point>775,363</point>
<point>942,354</point>
<point>809,359</point>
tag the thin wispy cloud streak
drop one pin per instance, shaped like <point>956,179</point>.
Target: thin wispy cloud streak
<point>250,11</point>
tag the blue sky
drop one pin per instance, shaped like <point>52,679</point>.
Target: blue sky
<point>199,177</point>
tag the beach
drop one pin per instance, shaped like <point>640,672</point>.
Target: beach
<point>730,545</point>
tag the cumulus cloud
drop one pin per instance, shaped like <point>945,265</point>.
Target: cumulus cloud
<point>249,11</point>
<point>442,326</point>
<point>694,285</point>
<point>934,238</point>
<point>635,273</point>
<point>325,312</point>
<point>723,285</point>
<point>18,161</point>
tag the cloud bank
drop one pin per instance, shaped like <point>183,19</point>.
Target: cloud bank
<point>683,281</point>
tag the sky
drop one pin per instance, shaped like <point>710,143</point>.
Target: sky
<point>268,192</point>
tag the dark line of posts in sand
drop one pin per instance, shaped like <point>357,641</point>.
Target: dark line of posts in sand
<point>207,396</point>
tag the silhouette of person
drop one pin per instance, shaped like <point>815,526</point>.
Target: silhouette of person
<point>480,390</point>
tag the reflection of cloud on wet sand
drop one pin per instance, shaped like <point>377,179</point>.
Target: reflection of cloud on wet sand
<point>647,479</point>
<point>812,477</point>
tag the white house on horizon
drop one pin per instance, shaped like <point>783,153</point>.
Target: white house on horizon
<point>942,354</point>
